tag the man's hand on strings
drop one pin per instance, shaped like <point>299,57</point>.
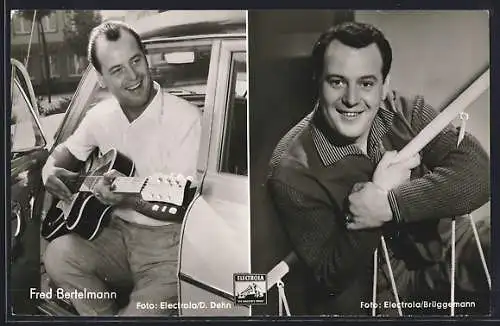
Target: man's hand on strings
<point>53,179</point>
<point>103,190</point>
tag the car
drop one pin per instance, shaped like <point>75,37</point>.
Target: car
<point>198,56</point>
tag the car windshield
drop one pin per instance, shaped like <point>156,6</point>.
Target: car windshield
<point>181,71</point>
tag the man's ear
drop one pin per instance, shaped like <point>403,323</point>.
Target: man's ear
<point>386,88</point>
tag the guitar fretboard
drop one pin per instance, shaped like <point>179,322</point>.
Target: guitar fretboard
<point>157,188</point>
<point>120,184</point>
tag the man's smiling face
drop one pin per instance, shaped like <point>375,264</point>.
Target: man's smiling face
<point>125,70</point>
<point>351,88</point>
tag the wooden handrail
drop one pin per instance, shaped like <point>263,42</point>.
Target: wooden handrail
<point>280,270</point>
<point>446,116</point>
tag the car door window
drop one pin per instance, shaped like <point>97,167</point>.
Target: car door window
<point>234,153</point>
<point>24,131</point>
<point>182,68</point>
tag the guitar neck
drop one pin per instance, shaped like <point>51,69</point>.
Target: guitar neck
<point>126,185</point>
<point>157,188</point>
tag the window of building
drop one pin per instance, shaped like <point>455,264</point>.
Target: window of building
<point>50,23</point>
<point>76,65</point>
<point>21,25</point>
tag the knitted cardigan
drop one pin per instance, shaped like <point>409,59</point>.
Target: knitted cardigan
<point>310,193</point>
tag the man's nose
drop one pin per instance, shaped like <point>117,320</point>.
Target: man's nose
<point>131,73</point>
<point>351,97</point>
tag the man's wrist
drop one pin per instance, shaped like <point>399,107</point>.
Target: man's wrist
<point>396,214</point>
<point>387,209</point>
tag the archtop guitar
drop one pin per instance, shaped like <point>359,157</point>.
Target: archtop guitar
<point>86,215</point>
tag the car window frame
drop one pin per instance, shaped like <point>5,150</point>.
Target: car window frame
<point>229,117</point>
<point>226,194</point>
<point>157,44</point>
<point>223,185</point>
<point>30,100</point>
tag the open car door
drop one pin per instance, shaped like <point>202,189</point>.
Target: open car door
<point>28,153</point>
<point>215,241</point>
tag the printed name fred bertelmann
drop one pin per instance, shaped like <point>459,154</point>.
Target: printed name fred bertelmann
<point>75,294</point>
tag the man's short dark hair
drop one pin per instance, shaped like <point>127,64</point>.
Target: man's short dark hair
<point>112,31</point>
<point>353,34</point>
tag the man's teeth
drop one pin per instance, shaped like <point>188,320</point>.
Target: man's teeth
<point>351,114</point>
<point>134,87</point>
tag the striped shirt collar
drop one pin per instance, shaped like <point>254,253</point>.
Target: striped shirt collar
<point>329,148</point>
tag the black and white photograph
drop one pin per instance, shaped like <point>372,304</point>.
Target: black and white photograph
<point>129,188</point>
<point>370,162</point>
<point>248,163</point>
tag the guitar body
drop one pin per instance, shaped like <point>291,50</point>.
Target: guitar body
<point>87,215</point>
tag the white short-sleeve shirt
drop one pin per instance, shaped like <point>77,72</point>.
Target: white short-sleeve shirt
<point>165,139</point>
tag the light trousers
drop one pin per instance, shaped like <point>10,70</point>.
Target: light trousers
<point>139,260</point>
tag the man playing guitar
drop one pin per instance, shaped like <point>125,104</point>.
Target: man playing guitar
<point>159,133</point>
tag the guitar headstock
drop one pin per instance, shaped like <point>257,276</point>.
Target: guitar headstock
<point>166,188</point>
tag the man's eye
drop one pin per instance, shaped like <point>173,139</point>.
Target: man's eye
<point>367,84</point>
<point>136,60</point>
<point>336,83</point>
<point>116,71</point>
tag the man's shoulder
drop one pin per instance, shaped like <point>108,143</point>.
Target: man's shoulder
<point>405,104</point>
<point>104,110</point>
<point>290,152</point>
<point>181,108</point>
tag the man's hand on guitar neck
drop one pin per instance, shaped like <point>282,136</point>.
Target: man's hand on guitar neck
<point>103,190</point>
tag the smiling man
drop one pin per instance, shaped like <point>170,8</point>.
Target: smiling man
<point>337,193</point>
<point>160,133</point>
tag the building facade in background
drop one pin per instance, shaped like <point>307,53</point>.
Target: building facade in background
<point>66,67</point>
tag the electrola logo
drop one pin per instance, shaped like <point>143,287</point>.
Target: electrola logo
<point>250,288</point>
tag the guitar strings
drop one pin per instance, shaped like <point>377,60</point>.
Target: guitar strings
<point>132,179</point>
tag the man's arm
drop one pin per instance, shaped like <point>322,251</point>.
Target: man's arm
<point>336,256</point>
<point>63,158</point>
<point>458,181</point>
<point>59,171</point>
<point>69,157</point>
